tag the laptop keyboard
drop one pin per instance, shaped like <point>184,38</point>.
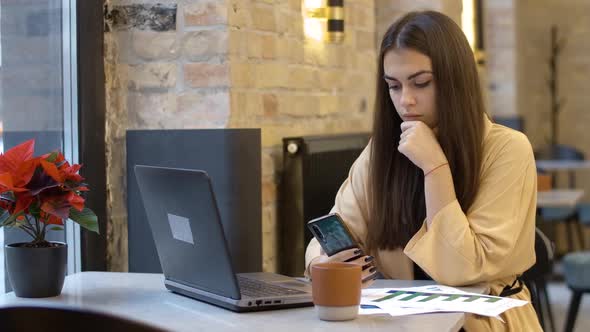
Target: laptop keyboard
<point>257,288</point>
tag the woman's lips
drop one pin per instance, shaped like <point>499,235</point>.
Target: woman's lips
<point>410,117</point>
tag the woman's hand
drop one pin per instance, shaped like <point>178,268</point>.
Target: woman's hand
<point>369,271</point>
<point>418,142</point>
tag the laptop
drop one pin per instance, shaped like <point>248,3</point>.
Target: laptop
<point>182,213</point>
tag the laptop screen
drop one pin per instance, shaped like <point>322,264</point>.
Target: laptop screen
<point>184,219</point>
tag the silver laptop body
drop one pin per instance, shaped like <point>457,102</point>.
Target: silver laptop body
<point>184,218</point>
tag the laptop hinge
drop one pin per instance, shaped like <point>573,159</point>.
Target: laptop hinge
<point>200,291</point>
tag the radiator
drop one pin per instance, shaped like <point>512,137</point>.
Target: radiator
<point>314,167</point>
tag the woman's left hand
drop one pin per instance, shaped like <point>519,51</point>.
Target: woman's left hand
<point>418,142</point>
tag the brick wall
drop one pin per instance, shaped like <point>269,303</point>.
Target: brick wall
<point>289,85</point>
<point>533,30</point>
<point>389,10</point>
<point>235,63</point>
<point>500,49</point>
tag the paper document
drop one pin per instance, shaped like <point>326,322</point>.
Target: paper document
<point>433,298</point>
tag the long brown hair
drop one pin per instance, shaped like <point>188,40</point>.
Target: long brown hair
<point>397,202</point>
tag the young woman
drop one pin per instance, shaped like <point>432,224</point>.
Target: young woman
<point>440,191</point>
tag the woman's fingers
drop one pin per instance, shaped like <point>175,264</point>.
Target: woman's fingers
<point>369,271</point>
<point>368,276</point>
<point>368,282</point>
<point>356,256</point>
<point>345,255</point>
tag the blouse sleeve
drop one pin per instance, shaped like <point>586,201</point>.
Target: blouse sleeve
<point>496,237</point>
<point>350,204</point>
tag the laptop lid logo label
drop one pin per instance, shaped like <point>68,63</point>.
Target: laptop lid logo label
<point>181,228</point>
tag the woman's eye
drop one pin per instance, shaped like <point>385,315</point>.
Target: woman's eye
<point>422,84</point>
<point>394,87</point>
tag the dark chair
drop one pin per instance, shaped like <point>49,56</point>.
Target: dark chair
<point>515,122</point>
<point>568,215</point>
<point>42,319</point>
<point>536,278</point>
<point>576,268</point>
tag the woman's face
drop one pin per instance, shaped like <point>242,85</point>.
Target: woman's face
<point>408,75</point>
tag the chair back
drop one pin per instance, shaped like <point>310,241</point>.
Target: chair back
<point>513,122</point>
<point>559,152</point>
<point>544,251</point>
<point>40,319</point>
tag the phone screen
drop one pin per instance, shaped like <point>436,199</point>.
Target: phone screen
<point>331,234</point>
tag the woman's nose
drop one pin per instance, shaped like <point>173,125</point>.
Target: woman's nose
<point>407,98</point>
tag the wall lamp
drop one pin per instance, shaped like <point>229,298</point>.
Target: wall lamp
<point>324,20</point>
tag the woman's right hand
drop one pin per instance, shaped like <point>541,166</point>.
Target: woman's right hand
<point>355,255</point>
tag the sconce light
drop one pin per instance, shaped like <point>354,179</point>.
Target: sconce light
<point>324,20</point>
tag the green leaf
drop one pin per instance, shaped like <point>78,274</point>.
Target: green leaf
<point>4,215</point>
<point>52,157</point>
<point>34,208</point>
<point>56,228</point>
<point>8,196</point>
<point>85,218</point>
<point>10,221</point>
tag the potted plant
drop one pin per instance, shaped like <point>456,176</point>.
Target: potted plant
<point>37,194</point>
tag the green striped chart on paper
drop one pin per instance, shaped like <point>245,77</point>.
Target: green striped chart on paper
<point>405,296</point>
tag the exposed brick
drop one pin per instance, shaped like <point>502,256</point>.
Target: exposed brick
<point>270,238</point>
<point>295,50</point>
<point>282,49</point>
<point>329,104</point>
<point>270,75</point>
<point>365,41</point>
<point>330,79</point>
<point>254,106</point>
<point>150,110</point>
<point>295,29</point>
<point>269,192</point>
<point>239,13</point>
<point>265,18</point>
<point>151,45</point>
<point>302,77</point>
<point>238,43</point>
<point>268,47</point>
<point>335,58</point>
<point>152,75</point>
<point>295,5</point>
<point>365,61</point>
<point>203,109</point>
<point>270,104</point>
<point>272,134</point>
<point>156,17</point>
<point>254,44</point>
<point>206,74</point>
<point>242,74</point>
<point>283,20</point>
<point>360,17</point>
<point>205,12</point>
<point>315,53</point>
<point>304,105</point>
<point>268,166</point>
<point>201,45</point>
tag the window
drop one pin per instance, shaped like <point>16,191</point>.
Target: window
<point>38,93</point>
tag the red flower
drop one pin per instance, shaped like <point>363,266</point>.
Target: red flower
<point>43,190</point>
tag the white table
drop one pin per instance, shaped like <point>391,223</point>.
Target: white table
<point>559,198</point>
<point>562,165</point>
<point>142,297</point>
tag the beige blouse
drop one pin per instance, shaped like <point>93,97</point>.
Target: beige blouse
<point>492,242</point>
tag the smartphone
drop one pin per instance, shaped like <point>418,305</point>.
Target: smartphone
<point>331,233</point>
